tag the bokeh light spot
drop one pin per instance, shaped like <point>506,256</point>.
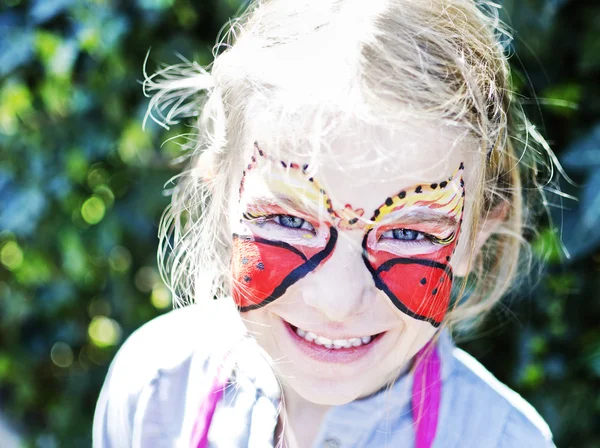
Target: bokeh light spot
<point>135,146</point>
<point>62,354</point>
<point>104,332</point>
<point>97,176</point>
<point>11,256</point>
<point>146,278</point>
<point>93,210</point>
<point>160,297</point>
<point>119,258</point>
<point>99,307</point>
<point>106,194</point>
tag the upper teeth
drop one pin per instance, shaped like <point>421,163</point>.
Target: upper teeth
<point>332,343</point>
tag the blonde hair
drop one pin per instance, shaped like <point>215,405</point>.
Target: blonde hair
<point>305,66</point>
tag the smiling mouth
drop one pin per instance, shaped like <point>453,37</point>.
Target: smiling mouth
<point>336,344</point>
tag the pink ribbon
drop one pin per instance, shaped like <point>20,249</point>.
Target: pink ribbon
<point>426,396</point>
<point>205,414</point>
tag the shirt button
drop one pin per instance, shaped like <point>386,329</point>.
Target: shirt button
<point>332,442</point>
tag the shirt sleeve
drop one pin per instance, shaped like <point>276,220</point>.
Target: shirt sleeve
<point>144,397</point>
<point>122,397</point>
<point>525,430</point>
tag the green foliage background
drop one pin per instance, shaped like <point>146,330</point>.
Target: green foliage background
<point>81,195</point>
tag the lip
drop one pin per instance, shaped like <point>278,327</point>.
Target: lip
<point>334,356</point>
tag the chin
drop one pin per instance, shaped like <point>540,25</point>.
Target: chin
<point>329,393</point>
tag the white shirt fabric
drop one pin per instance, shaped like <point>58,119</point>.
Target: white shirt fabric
<point>161,374</point>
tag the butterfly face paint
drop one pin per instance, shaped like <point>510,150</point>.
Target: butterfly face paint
<point>417,279</point>
<point>274,248</point>
<point>268,258</point>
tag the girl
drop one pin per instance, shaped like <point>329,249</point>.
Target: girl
<point>355,164</point>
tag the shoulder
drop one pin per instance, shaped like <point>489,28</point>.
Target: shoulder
<point>155,362</point>
<point>496,413</point>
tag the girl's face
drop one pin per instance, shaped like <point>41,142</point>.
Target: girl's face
<point>344,273</point>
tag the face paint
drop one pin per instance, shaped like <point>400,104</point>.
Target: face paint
<point>263,269</point>
<point>417,283</point>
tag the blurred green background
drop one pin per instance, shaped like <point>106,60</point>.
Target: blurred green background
<point>81,193</point>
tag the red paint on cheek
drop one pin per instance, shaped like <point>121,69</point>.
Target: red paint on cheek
<point>264,269</point>
<point>419,285</point>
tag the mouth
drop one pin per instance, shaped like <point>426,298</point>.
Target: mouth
<point>338,350</point>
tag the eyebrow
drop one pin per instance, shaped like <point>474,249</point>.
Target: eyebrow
<point>422,215</point>
<point>281,200</point>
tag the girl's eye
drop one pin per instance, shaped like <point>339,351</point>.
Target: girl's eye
<point>404,235</point>
<point>293,222</point>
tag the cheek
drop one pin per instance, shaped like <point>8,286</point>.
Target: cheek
<point>419,286</point>
<point>263,270</point>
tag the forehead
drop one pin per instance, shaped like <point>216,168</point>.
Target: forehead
<point>363,165</point>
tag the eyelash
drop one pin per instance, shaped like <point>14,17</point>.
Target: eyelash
<point>426,238</point>
<point>420,236</point>
<point>275,218</point>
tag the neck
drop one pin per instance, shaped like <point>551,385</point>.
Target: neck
<point>300,420</point>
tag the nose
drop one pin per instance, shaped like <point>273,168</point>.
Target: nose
<point>338,288</point>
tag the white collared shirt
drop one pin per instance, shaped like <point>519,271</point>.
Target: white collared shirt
<point>162,373</point>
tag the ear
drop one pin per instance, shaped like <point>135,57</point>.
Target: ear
<point>487,228</point>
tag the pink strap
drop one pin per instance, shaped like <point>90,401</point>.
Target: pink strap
<point>426,396</point>
<point>205,414</point>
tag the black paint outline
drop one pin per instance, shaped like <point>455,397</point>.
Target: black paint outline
<point>298,273</point>
<point>380,284</point>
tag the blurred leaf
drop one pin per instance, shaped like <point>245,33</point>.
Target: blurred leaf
<point>76,166</point>
<point>155,4</point>
<point>135,145</point>
<point>581,226</point>
<point>73,254</point>
<point>584,154</point>
<point>58,55</point>
<point>57,94</point>
<point>16,49</point>
<point>22,210</point>
<point>35,270</point>
<point>533,375</point>
<point>594,360</point>
<point>562,99</point>
<point>44,10</point>
<point>15,103</point>
<point>589,60</point>
<point>547,246</point>
<point>100,29</point>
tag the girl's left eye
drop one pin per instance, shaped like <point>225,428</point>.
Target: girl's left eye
<point>293,222</point>
<point>403,235</point>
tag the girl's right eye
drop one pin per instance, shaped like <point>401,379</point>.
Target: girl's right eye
<point>282,221</point>
<point>293,222</point>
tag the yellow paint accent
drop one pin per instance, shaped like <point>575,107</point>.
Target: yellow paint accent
<point>448,199</point>
<point>295,183</point>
